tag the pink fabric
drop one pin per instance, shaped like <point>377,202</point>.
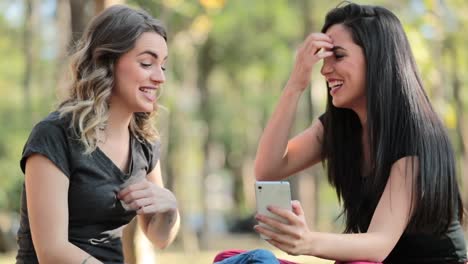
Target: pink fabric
<point>229,253</point>
<point>357,262</point>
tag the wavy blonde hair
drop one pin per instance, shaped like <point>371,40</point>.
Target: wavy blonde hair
<point>108,36</point>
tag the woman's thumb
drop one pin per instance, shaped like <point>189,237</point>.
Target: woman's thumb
<point>296,207</point>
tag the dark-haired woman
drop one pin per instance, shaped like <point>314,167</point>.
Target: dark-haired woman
<point>92,165</point>
<point>385,149</point>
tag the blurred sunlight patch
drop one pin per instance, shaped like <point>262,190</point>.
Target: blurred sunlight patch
<point>200,28</point>
<point>450,117</point>
<point>212,4</point>
<point>172,3</point>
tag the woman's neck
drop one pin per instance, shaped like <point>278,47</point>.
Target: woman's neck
<point>362,114</point>
<point>118,123</point>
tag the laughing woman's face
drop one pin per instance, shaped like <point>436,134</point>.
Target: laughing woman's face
<point>345,71</point>
<point>139,73</point>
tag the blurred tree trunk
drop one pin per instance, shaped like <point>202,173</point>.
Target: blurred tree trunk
<point>450,45</point>
<point>205,66</point>
<point>240,178</point>
<point>176,179</point>
<point>63,26</point>
<point>237,170</point>
<point>30,20</point>
<point>100,5</point>
<point>236,163</point>
<point>459,130</point>
<point>438,76</point>
<point>307,182</point>
<point>165,126</point>
<point>79,17</point>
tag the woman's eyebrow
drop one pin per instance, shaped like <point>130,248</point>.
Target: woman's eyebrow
<point>335,48</point>
<point>152,53</point>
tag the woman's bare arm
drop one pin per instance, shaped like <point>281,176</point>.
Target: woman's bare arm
<point>160,227</point>
<point>386,227</point>
<point>47,200</point>
<point>277,156</point>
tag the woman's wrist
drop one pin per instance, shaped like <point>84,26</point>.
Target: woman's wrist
<point>295,87</point>
<point>312,244</point>
<point>292,91</point>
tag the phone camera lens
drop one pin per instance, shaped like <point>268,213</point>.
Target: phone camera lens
<point>259,187</point>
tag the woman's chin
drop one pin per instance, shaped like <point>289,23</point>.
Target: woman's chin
<point>147,107</point>
<point>337,103</point>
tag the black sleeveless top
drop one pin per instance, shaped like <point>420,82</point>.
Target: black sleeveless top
<point>422,248</point>
<point>96,216</point>
<point>431,249</point>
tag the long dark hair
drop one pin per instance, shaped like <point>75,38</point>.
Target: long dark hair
<point>107,37</point>
<point>400,122</point>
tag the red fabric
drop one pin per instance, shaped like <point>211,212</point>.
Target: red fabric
<point>229,253</point>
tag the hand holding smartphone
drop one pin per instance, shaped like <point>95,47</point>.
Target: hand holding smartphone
<point>274,193</point>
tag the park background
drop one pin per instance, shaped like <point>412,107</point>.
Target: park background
<point>228,62</point>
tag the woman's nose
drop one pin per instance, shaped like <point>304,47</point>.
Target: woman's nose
<point>158,76</point>
<point>327,66</point>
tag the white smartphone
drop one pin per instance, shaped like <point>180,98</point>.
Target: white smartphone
<point>275,193</point>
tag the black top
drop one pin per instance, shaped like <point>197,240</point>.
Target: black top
<point>96,216</point>
<point>419,248</point>
<point>449,248</point>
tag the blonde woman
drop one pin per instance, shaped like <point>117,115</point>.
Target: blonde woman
<point>92,165</point>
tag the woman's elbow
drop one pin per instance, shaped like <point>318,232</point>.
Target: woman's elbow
<point>261,174</point>
<point>382,253</point>
<point>379,258</point>
<point>161,245</point>
<point>49,254</point>
<point>161,240</point>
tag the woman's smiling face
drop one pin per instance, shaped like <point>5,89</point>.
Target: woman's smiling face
<point>345,71</point>
<point>139,73</point>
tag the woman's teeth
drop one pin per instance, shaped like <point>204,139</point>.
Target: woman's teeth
<point>335,84</point>
<point>148,90</point>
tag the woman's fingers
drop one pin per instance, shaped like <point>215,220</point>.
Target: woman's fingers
<point>318,36</point>
<point>134,195</point>
<point>309,49</point>
<point>282,241</point>
<point>297,208</point>
<point>144,184</point>
<point>284,213</point>
<point>140,203</point>
<point>273,235</point>
<point>324,54</point>
<point>145,197</point>
<point>282,228</point>
<point>314,46</point>
<point>317,41</point>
